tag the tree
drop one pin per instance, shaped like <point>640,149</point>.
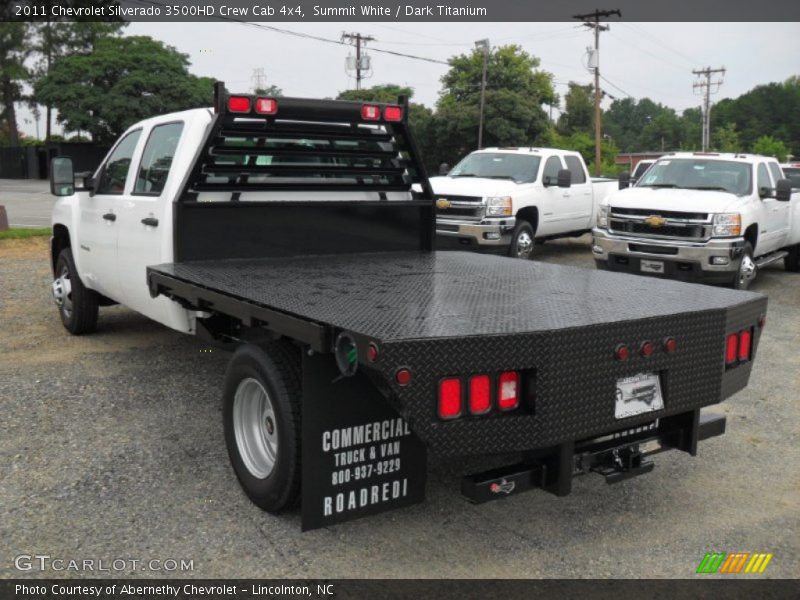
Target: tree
<point>768,146</point>
<point>726,139</point>
<point>56,38</point>
<point>13,44</point>
<point>124,80</point>
<point>513,115</point>
<point>271,90</point>
<point>578,115</point>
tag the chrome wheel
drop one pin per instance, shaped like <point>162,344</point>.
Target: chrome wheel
<point>62,292</point>
<point>524,245</point>
<point>255,428</point>
<point>747,272</point>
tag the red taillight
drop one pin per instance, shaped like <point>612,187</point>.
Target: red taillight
<point>744,345</point>
<point>239,104</point>
<point>402,377</point>
<point>622,353</point>
<point>670,345</point>
<point>393,113</point>
<point>450,398</point>
<point>731,348</point>
<point>479,394</point>
<point>266,106</point>
<point>508,390</point>
<point>370,112</point>
<point>646,349</point>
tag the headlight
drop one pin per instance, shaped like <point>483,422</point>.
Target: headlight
<point>499,207</point>
<point>727,224</point>
<point>602,216</point>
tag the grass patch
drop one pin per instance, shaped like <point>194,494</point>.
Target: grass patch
<point>16,233</point>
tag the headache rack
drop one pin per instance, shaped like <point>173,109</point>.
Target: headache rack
<point>260,144</point>
<point>292,176</point>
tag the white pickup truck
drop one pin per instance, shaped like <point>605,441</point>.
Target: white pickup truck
<point>505,198</point>
<point>706,217</point>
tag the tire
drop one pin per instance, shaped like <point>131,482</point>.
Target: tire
<point>747,269</point>
<point>77,304</point>
<point>523,241</point>
<point>792,260</point>
<point>261,419</point>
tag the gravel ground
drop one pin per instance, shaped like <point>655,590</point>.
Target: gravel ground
<point>112,447</point>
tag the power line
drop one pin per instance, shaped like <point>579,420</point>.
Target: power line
<point>616,87</point>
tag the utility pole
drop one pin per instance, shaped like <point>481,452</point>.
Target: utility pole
<point>592,21</point>
<point>706,91</point>
<point>259,79</point>
<point>357,39</point>
<point>483,46</point>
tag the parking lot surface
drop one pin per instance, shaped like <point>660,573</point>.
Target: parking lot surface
<point>112,448</point>
<point>28,202</point>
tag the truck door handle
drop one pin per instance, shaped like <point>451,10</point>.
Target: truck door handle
<point>110,217</point>
<point>150,221</point>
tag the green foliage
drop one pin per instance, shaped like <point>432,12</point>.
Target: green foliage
<point>513,114</point>
<point>270,90</point>
<point>13,72</point>
<point>578,115</point>
<point>123,81</point>
<point>725,138</point>
<point>767,145</point>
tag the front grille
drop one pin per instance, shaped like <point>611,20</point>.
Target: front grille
<point>461,207</point>
<point>677,225</point>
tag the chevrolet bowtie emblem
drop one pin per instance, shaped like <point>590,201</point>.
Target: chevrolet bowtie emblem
<point>443,203</point>
<point>655,221</point>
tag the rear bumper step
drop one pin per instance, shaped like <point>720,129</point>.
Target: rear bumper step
<point>616,459</point>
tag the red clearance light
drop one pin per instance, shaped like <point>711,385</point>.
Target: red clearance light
<point>508,390</point>
<point>393,113</point>
<point>402,377</point>
<point>450,398</point>
<point>744,345</point>
<point>622,353</point>
<point>266,106</point>
<point>239,104</point>
<point>731,348</point>
<point>372,353</point>
<point>370,112</point>
<point>670,345</point>
<point>479,394</point>
<point>646,349</point>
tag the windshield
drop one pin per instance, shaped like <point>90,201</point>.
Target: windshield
<point>498,165</point>
<point>641,167</point>
<point>792,174</point>
<point>699,174</point>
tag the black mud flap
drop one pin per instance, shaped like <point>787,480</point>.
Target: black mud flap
<point>359,457</point>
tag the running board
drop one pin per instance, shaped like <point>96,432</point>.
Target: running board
<point>771,258</point>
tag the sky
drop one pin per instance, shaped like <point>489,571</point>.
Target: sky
<point>653,60</point>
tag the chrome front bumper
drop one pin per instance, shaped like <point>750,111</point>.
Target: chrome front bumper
<point>710,256</point>
<point>488,232</point>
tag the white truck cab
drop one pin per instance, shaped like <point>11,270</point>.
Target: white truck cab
<point>504,198</point>
<point>706,217</point>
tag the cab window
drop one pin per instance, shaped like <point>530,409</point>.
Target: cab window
<point>775,170</point>
<point>763,180</point>
<point>113,176</point>
<point>551,169</point>
<point>575,168</point>
<point>157,159</point>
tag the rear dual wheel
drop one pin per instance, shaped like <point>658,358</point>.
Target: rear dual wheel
<point>792,260</point>
<point>261,418</point>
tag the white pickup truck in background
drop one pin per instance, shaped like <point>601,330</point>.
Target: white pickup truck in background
<point>706,217</point>
<point>505,198</point>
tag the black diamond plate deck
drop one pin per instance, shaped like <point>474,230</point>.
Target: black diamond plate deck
<point>457,314</point>
<point>410,295</point>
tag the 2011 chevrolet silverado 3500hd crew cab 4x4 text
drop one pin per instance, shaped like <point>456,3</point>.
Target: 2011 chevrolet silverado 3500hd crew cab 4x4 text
<point>505,198</point>
<point>704,217</point>
<point>287,231</point>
